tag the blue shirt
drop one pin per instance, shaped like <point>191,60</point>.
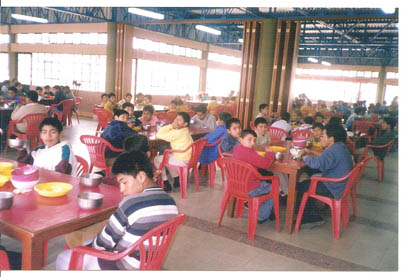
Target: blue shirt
<point>228,143</point>
<point>334,162</point>
<point>115,133</point>
<point>210,153</point>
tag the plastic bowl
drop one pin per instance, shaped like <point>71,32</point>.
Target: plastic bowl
<point>14,143</point>
<point>277,148</point>
<point>6,200</point>
<point>24,185</point>
<point>4,179</point>
<point>27,173</point>
<point>53,189</point>
<point>90,200</point>
<point>299,143</point>
<point>91,180</point>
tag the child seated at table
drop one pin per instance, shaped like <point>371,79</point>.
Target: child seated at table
<point>245,152</point>
<point>144,206</point>
<point>104,98</point>
<point>180,107</point>
<point>126,99</point>
<point>12,95</point>
<point>233,126</point>
<point>110,104</point>
<point>317,132</point>
<point>211,107</point>
<point>177,134</point>
<point>54,154</point>
<point>148,116</point>
<point>173,105</point>
<point>115,133</point>
<point>132,121</point>
<point>307,125</point>
<point>261,125</point>
<point>147,99</point>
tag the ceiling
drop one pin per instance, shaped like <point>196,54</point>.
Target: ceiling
<point>355,36</point>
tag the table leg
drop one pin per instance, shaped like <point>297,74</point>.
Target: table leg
<point>290,206</point>
<point>33,252</point>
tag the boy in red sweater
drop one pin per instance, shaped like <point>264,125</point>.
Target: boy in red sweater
<point>245,152</point>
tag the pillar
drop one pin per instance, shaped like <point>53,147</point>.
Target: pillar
<point>111,57</point>
<point>380,88</point>
<point>203,71</point>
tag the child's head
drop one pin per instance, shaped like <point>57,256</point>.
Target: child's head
<point>50,131</point>
<point>318,118</point>
<point>308,120</point>
<point>47,88</point>
<point>137,143</point>
<point>233,126</point>
<point>121,115</point>
<point>147,99</point>
<point>173,104</point>
<point>129,108</point>
<point>248,138</point>
<point>112,97</point>
<point>223,117</point>
<point>318,130</point>
<point>32,97</point>
<point>333,133</point>
<point>128,97</point>
<point>147,112</point>
<point>263,108</point>
<point>38,90</point>
<point>133,171</point>
<point>296,115</point>
<point>104,97</point>
<point>140,97</point>
<point>260,125</point>
<point>285,116</point>
<point>12,91</point>
<point>182,120</point>
<point>201,111</point>
<point>334,120</point>
<point>388,123</point>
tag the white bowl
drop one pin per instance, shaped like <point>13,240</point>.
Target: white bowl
<point>24,185</point>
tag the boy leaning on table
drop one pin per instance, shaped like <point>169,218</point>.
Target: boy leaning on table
<point>54,154</point>
<point>144,206</point>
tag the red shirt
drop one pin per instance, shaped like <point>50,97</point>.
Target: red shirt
<point>251,157</point>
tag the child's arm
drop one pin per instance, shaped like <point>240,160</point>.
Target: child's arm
<point>64,166</point>
<point>167,133</point>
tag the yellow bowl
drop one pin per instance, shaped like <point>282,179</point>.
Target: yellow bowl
<point>317,144</point>
<point>4,179</point>
<point>277,148</point>
<point>53,189</point>
<point>261,153</point>
<point>6,168</point>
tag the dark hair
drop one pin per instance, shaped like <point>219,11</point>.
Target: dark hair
<point>248,132</point>
<point>47,87</point>
<point>127,104</point>
<point>285,116</point>
<point>103,95</point>
<point>140,94</point>
<point>174,102</point>
<point>201,108</point>
<point>12,89</point>
<point>263,106</point>
<point>132,163</point>
<point>128,94</point>
<point>260,120</point>
<point>32,95</point>
<point>298,113</point>
<point>230,121</point>
<point>51,121</point>
<point>119,112</point>
<point>391,121</point>
<point>148,108</point>
<point>319,114</point>
<point>179,102</point>
<point>318,125</point>
<point>186,117</point>
<point>224,116</point>
<point>149,96</point>
<point>337,131</point>
<point>38,88</point>
<point>17,84</point>
<point>308,120</point>
<point>112,94</point>
<point>136,143</point>
<point>334,120</point>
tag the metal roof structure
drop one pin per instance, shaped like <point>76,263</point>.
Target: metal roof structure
<point>353,36</point>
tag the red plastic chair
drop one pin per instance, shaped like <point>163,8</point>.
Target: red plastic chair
<point>364,127</point>
<point>212,165</point>
<point>67,109</point>
<point>4,264</point>
<point>32,132</point>
<point>238,173</point>
<point>183,171</point>
<point>379,163</point>
<point>301,133</point>
<point>78,100</point>
<point>152,247</point>
<point>82,167</point>
<point>103,117</point>
<point>338,207</point>
<point>277,133</point>
<point>220,108</point>
<point>252,126</point>
<point>351,146</point>
<point>96,147</point>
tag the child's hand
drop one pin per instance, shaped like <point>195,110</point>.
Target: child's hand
<point>156,175</point>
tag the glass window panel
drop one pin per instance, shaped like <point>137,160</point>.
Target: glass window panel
<point>76,38</point>
<point>162,47</point>
<point>182,51</point>
<point>69,38</point>
<point>176,50</point>
<point>103,38</point>
<point>215,85</point>
<point>60,38</point>
<point>93,38</point>
<point>375,74</point>
<point>4,72</point>
<point>84,38</point>
<point>199,54</point>
<point>53,38</point>
<point>169,49</point>
<point>194,53</point>
<point>30,38</point>
<point>188,52</point>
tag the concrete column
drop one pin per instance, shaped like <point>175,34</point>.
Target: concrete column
<point>12,57</point>
<point>203,72</point>
<point>380,88</point>
<point>111,57</point>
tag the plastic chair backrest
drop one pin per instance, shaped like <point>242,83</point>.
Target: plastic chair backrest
<point>67,106</point>
<point>96,147</point>
<point>197,148</point>
<point>22,99</point>
<point>103,116</point>
<point>363,126</point>
<point>4,264</point>
<point>277,133</point>
<point>152,246</point>
<point>82,167</point>
<point>33,121</point>
<point>301,133</point>
<point>353,178</point>
<point>252,126</point>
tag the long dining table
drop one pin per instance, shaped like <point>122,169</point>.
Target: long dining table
<point>34,219</point>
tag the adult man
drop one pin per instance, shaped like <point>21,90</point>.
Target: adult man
<point>31,107</point>
<point>203,119</point>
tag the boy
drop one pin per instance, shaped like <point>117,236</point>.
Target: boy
<point>132,122</point>
<point>210,154</point>
<point>140,99</point>
<point>12,95</point>
<point>173,105</point>
<point>261,131</point>
<point>147,99</point>
<point>233,127</point>
<point>47,91</point>
<point>116,132</point>
<point>283,123</point>
<point>307,125</point>
<point>104,98</point>
<point>245,152</point>
<point>126,99</point>
<point>263,111</point>
<point>211,107</point>
<point>143,207</point>
<point>317,131</point>
<point>177,134</point>
<point>148,116</point>
<point>110,104</point>
<point>202,119</point>
<point>53,154</point>
<point>318,118</point>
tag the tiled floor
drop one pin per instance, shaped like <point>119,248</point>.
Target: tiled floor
<point>370,243</point>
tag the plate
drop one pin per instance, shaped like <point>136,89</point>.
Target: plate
<point>53,189</point>
<point>317,144</point>
<point>277,148</point>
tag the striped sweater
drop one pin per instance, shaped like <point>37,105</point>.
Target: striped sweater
<point>135,216</point>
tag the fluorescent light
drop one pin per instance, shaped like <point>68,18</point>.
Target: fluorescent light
<point>146,13</point>
<point>240,40</point>
<point>29,18</point>
<point>325,63</point>
<point>208,30</point>
<point>388,10</point>
<point>313,60</point>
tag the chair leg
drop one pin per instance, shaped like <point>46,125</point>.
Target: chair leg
<point>301,210</point>
<point>224,201</point>
<point>345,210</point>
<point>183,176</point>
<point>380,170</point>
<point>336,218</point>
<point>196,173</point>
<point>203,169</point>
<point>276,210</point>
<point>212,173</point>
<point>354,200</point>
<point>253,210</point>
<point>45,252</point>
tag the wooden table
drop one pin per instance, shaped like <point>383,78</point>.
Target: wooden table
<point>34,219</point>
<point>196,134</point>
<point>158,108</point>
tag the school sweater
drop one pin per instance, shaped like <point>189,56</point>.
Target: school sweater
<point>210,153</point>
<point>179,139</point>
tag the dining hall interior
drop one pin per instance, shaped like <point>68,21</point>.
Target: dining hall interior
<point>299,102</point>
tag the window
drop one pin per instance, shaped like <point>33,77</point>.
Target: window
<point>24,68</point>
<point>216,86</point>
<point>224,58</point>
<point>4,38</point>
<point>4,73</point>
